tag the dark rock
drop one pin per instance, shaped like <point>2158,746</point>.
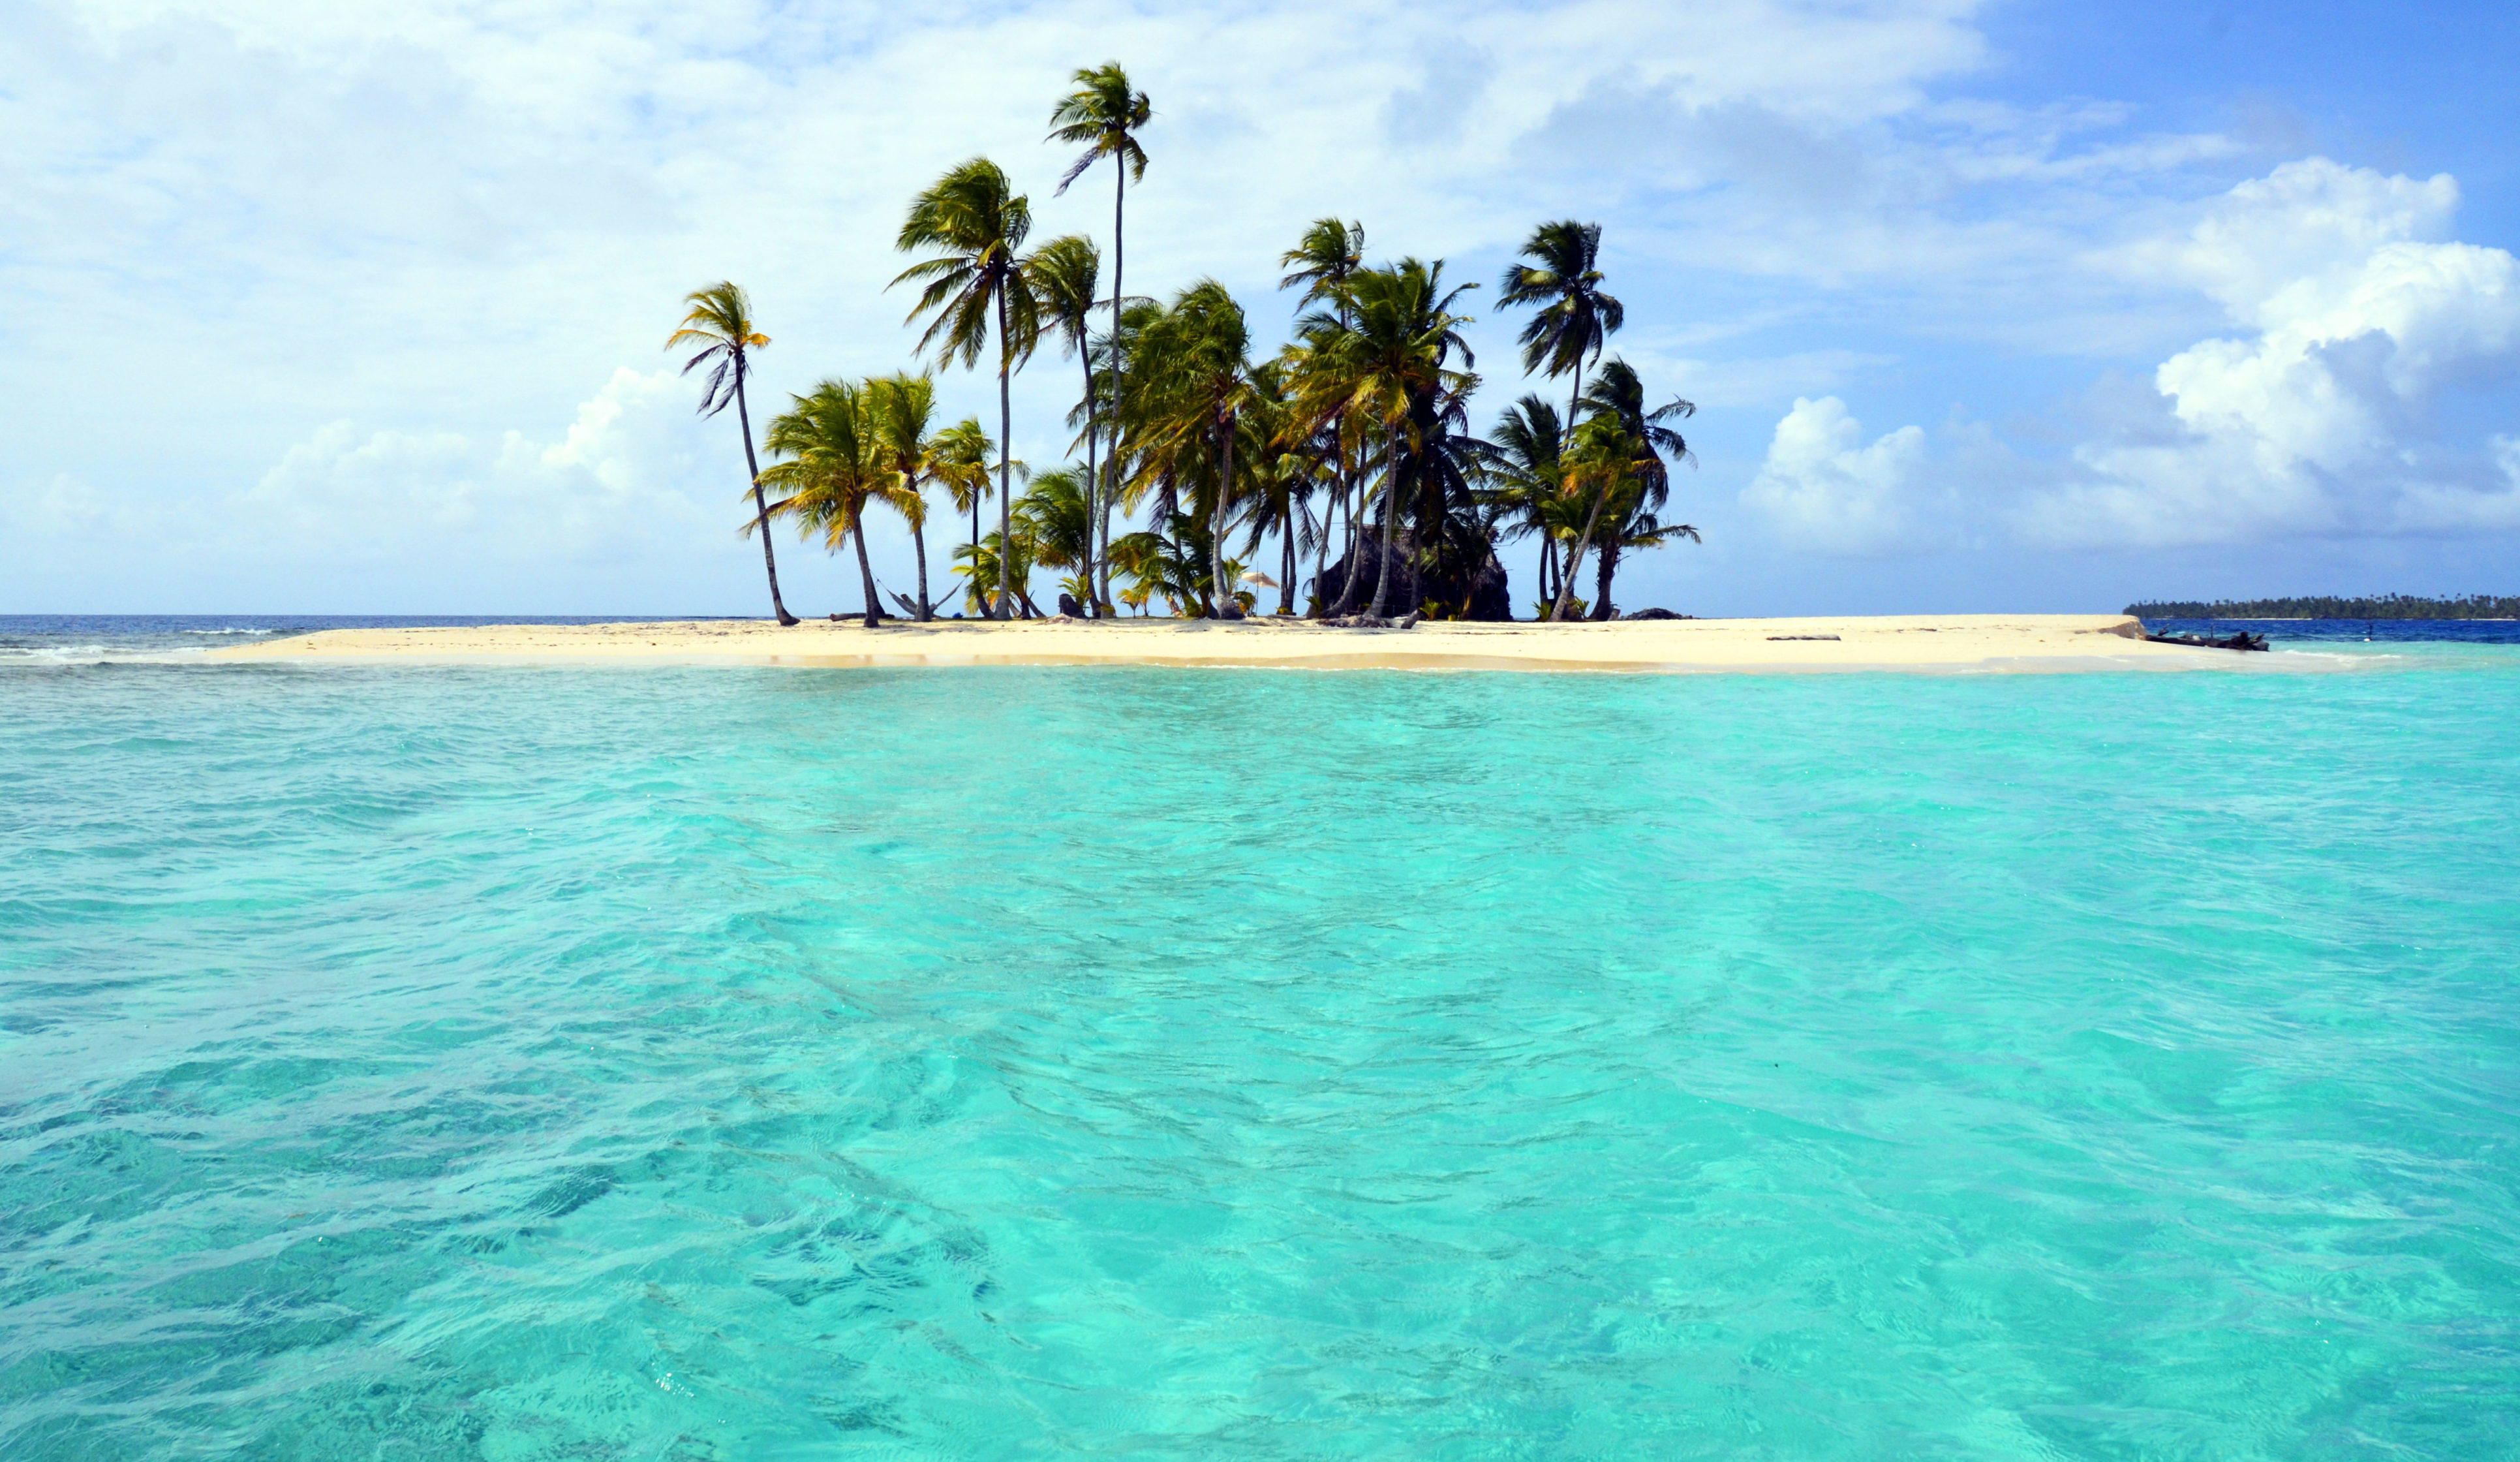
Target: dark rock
<point>1486,592</point>
<point>1069,608</point>
<point>1654,614</point>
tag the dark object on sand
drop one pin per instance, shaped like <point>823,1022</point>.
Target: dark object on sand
<point>1068,606</point>
<point>1802,637</point>
<point>1409,620</point>
<point>2241,641</point>
<point>1654,614</point>
<point>1485,593</point>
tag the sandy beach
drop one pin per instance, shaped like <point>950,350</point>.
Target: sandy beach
<point>2025,643</point>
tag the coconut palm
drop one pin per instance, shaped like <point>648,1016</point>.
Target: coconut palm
<point>721,323</point>
<point>903,405</point>
<point>960,461</point>
<point>1198,380</point>
<point>976,217</point>
<point>987,562</point>
<point>1102,115</point>
<point>1063,274</point>
<point>1617,394</point>
<point>1053,520</point>
<point>838,468</point>
<point>1523,479</point>
<point>1384,364</point>
<point>1564,278</point>
<point>1323,261</point>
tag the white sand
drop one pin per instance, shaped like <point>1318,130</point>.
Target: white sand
<point>1918,642</point>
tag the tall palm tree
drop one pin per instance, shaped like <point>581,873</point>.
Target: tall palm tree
<point>1564,278</point>
<point>903,405</point>
<point>838,468</point>
<point>1102,115</point>
<point>1053,520</point>
<point>721,323</point>
<point>1619,395</point>
<point>1389,361</point>
<point>976,217</point>
<point>1063,274</point>
<point>1323,261</point>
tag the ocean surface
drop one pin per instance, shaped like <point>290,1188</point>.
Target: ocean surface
<point>748,1064</point>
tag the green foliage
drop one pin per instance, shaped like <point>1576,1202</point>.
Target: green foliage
<point>2327,607</point>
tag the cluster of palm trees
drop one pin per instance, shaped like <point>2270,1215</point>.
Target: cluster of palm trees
<point>1355,436</point>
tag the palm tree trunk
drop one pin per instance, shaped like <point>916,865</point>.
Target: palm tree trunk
<point>1609,563</point>
<point>1575,559</point>
<point>1006,461</point>
<point>865,573</point>
<point>1093,476</point>
<point>1220,591</point>
<point>1355,550</point>
<point>1112,465</point>
<point>760,506</point>
<point>1322,549</point>
<point>1390,526</point>
<point>1287,564</point>
<point>918,543</point>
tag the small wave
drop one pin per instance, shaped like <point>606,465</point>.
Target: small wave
<point>226,631</point>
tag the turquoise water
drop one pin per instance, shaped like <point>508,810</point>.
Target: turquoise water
<point>753,1064</point>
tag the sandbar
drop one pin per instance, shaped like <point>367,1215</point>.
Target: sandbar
<point>1954,643</point>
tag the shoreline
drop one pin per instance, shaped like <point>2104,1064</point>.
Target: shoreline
<point>1945,643</point>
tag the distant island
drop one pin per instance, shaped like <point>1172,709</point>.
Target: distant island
<point>2322,607</point>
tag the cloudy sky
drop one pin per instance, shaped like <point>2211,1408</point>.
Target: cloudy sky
<point>2028,305</point>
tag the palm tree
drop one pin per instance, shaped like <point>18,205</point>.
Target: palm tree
<point>1323,261</point>
<point>1387,362</point>
<point>1199,361</point>
<point>1102,115</point>
<point>1564,278</point>
<point>838,467</point>
<point>1524,480</point>
<point>960,461</point>
<point>1063,274</point>
<point>1053,520</point>
<point>903,405</point>
<point>721,322</point>
<point>1620,396</point>
<point>979,220</point>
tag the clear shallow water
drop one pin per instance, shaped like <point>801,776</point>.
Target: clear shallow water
<point>86,639</point>
<point>748,1064</point>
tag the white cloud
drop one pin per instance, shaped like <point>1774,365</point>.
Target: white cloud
<point>2320,421</point>
<point>1822,489</point>
<point>382,515</point>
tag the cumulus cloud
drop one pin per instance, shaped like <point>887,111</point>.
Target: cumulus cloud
<point>2361,315</point>
<point>1823,490</point>
<point>378,517</point>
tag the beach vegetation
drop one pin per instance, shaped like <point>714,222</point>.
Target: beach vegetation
<point>973,286</point>
<point>1103,115</point>
<point>720,323</point>
<point>836,469</point>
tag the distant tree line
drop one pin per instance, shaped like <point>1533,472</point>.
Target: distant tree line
<point>2327,607</point>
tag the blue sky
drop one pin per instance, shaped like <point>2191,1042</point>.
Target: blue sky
<point>1986,306</point>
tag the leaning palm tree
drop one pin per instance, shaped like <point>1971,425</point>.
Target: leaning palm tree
<point>903,405</point>
<point>836,469</point>
<point>1564,278</point>
<point>1102,115</point>
<point>1064,273</point>
<point>721,323</point>
<point>1388,363</point>
<point>1053,520</point>
<point>1620,397</point>
<point>976,217</point>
